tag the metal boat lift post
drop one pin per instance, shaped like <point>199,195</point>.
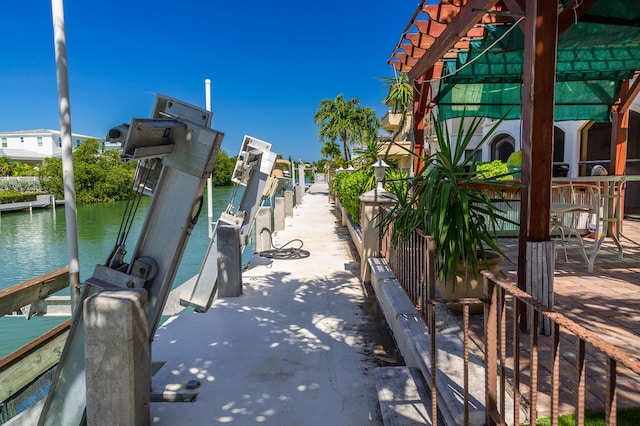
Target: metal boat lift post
<point>176,150</point>
<point>221,271</point>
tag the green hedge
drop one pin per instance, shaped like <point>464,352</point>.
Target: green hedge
<point>495,169</point>
<point>352,186</point>
<point>12,196</point>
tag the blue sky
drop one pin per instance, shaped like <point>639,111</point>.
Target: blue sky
<point>270,63</point>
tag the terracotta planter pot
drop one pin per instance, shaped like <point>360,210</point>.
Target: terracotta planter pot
<point>467,285</point>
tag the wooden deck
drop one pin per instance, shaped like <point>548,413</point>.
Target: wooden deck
<point>605,302</point>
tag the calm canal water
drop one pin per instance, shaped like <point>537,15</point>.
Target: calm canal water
<point>32,244</point>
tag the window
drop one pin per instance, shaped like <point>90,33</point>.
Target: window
<point>468,153</point>
<point>39,139</point>
<point>558,145</point>
<point>502,147</point>
<point>77,142</point>
<point>21,139</point>
<point>4,142</point>
<point>59,142</point>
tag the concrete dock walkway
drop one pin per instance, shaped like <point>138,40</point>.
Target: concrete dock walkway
<point>294,349</point>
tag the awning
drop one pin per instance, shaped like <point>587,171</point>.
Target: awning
<point>483,72</point>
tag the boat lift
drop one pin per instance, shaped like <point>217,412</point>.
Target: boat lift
<point>176,150</point>
<point>221,271</point>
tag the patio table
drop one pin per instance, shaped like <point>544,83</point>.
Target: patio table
<point>608,209</point>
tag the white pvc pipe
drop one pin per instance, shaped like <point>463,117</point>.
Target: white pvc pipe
<point>301,176</point>
<point>207,97</point>
<point>293,174</point>
<point>57,8</point>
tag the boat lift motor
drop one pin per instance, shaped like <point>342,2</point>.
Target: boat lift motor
<point>221,271</point>
<point>176,150</point>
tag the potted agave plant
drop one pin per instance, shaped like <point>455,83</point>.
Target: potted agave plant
<point>452,201</point>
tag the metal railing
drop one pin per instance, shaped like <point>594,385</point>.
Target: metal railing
<point>505,308</point>
<point>515,365</point>
<point>412,261</point>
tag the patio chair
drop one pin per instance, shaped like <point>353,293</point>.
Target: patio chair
<point>570,202</point>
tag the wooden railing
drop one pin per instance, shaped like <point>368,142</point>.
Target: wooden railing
<point>30,292</point>
<point>23,365</point>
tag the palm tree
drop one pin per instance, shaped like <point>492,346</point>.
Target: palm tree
<point>6,166</point>
<point>330,150</point>
<point>368,153</point>
<point>345,120</point>
<point>400,99</point>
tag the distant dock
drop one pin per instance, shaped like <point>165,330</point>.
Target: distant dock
<point>40,202</point>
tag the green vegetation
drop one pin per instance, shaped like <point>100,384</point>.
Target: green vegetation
<point>99,177</point>
<point>103,177</point>
<point>451,203</point>
<point>400,99</point>
<point>331,150</point>
<point>345,120</point>
<point>349,188</point>
<point>495,169</point>
<point>223,169</point>
<point>396,182</point>
<point>11,196</point>
<point>9,167</point>
<point>515,159</point>
<point>367,153</point>
<point>624,417</point>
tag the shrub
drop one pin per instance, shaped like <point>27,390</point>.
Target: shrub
<point>495,169</point>
<point>396,182</point>
<point>351,187</point>
<point>16,197</point>
<point>20,185</point>
<point>335,182</point>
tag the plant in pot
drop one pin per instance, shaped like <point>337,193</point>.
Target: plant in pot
<point>451,200</point>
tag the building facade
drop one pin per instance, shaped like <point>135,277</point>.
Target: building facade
<point>33,146</point>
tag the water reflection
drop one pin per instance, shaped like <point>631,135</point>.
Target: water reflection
<point>32,244</point>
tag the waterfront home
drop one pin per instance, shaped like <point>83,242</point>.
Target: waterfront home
<point>33,146</point>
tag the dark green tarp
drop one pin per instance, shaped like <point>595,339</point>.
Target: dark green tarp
<point>594,56</point>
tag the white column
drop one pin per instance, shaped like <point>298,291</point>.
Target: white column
<point>207,95</point>
<point>71,226</point>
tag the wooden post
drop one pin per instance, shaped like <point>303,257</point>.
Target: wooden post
<point>541,37</point>
<point>540,277</point>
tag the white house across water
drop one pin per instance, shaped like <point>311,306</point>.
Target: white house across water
<point>33,146</point>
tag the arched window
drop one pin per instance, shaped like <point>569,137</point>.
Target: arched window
<point>502,147</point>
<point>595,148</point>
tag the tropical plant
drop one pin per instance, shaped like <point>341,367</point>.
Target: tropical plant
<point>345,120</point>
<point>396,182</point>
<point>330,150</point>
<point>400,99</point>
<point>9,167</point>
<point>367,154</point>
<point>450,201</point>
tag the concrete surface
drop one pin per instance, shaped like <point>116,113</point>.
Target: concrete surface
<point>402,392</point>
<point>293,349</point>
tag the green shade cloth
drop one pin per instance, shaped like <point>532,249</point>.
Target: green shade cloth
<point>594,56</point>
